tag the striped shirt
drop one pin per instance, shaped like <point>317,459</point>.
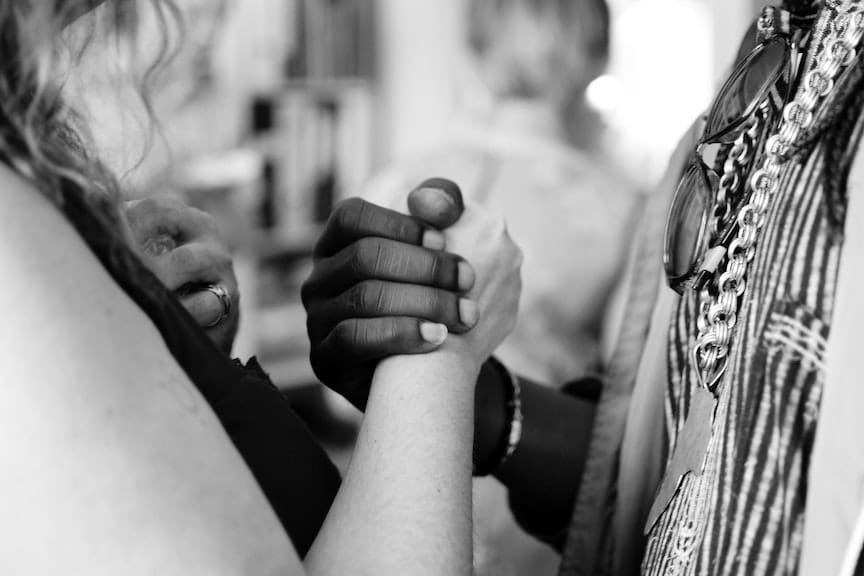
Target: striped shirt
<point>745,513</point>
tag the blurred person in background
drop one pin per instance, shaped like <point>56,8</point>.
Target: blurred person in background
<point>517,155</point>
<point>514,156</point>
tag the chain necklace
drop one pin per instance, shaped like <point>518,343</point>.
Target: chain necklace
<point>843,30</point>
<point>839,31</point>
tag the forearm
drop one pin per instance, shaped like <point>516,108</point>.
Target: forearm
<point>405,504</point>
<point>544,472</point>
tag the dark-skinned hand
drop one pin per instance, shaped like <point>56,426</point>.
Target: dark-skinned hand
<point>382,285</point>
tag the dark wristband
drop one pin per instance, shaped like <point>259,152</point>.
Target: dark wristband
<point>495,375</point>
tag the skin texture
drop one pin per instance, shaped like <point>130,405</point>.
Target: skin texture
<point>555,442</point>
<point>380,281</point>
<point>424,404</point>
<point>182,247</point>
<point>120,466</point>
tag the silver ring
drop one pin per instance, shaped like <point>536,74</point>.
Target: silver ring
<point>224,298</point>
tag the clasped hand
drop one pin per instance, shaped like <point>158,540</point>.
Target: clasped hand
<point>386,283</point>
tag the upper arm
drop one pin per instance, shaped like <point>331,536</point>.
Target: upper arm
<point>114,463</point>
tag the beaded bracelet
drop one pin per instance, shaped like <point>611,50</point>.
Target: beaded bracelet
<point>514,409</point>
<point>514,417</point>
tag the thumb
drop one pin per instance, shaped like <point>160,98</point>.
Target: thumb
<point>437,202</point>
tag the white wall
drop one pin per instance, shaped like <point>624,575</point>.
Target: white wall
<point>668,54</point>
<point>420,47</point>
<point>731,19</point>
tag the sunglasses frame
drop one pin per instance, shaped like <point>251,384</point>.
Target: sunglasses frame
<point>768,96</point>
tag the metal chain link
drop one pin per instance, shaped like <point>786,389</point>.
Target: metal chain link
<point>719,313</point>
<point>740,156</point>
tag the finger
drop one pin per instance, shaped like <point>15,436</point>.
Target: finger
<point>204,306</point>
<point>377,299</point>
<point>195,263</point>
<point>361,340</point>
<point>380,259</point>
<point>437,202</point>
<point>354,219</point>
<point>160,215</point>
<point>206,309</point>
<point>348,354</point>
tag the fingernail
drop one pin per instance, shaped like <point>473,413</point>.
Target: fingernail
<point>466,276</point>
<point>434,334</point>
<point>447,188</point>
<point>431,202</point>
<point>468,312</point>
<point>433,240</point>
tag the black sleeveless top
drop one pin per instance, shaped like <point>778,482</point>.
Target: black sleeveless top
<point>294,472</point>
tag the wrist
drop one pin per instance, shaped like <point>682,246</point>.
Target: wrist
<point>449,367</point>
<point>455,360</point>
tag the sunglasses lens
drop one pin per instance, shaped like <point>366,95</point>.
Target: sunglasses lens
<point>685,227</point>
<point>748,85</point>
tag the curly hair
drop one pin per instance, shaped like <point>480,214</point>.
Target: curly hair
<point>42,137</point>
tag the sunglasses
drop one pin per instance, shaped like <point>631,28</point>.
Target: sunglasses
<point>707,206</point>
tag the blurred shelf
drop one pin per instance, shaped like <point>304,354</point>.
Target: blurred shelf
<point>283,245</point>
<point>327,86</point>
<point>289,371</point>
<point>283,347</point>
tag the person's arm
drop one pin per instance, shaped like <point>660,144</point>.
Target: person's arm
<point>406,500</point>
<point>382,286</point>
<point>557,427</point>
<point>411,470</point>
<point>543,474</point>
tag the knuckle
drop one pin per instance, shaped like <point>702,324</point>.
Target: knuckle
<point>354,299</point>
<point>444,304</point>
<point>436,265</point>
<point>355,262</point>
<point>358,258</point>
<point>367,258</point>
<point>375,297</point>
<point>367,299</point>
<point>347,214</point>
<point>185,257</point>
<point>207,220</point>
<point>344,336</point>
<point>220,258</point>
<point>389,331</point>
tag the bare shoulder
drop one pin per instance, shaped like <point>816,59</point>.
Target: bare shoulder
<point>113,454</point>
<point>51,275</point>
